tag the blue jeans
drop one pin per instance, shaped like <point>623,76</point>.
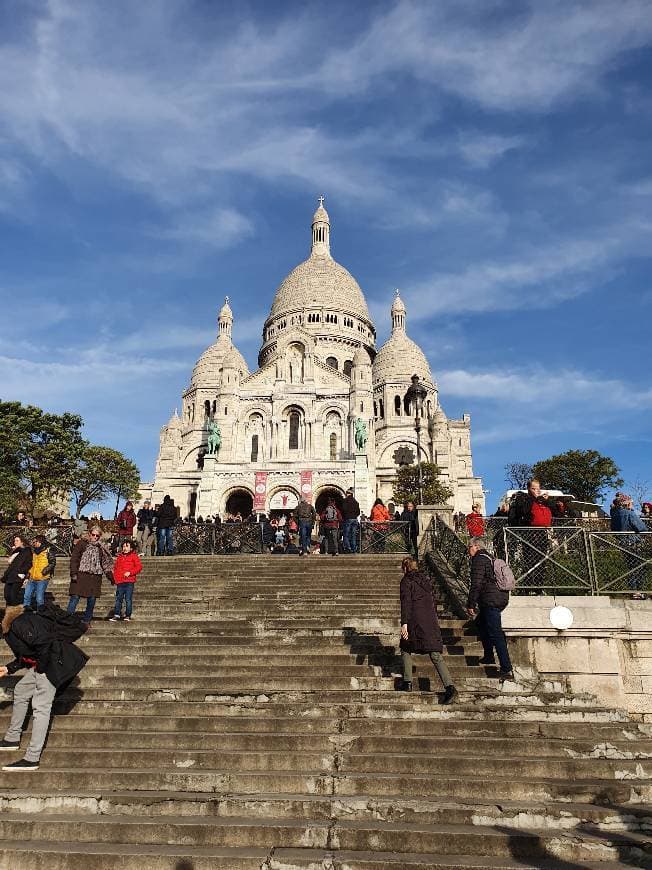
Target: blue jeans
<point>90,604</point>
<point>490,629</point>
<point>35,587</point>
<point>123,592</point>
<point>305,535</point>
<point>350,534</point>
<point>164,537</point>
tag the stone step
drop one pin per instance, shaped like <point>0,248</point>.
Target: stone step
<point>444,787</point>
<point>365,835</point>
<point>519,814</point>
<point>226,667</point>
<point>37,855</point>
<point>337,760</point>
<point>307,706</point>
<point>439,746</point>
<point>561,734</point>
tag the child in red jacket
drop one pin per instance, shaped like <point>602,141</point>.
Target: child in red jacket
<point>127,567</point>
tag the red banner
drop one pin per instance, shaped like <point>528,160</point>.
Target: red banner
<point>306,485</point>
<point>260,491</point>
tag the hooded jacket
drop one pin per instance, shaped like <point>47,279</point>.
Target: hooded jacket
<point>33,641</point>
<point>21,562</point>
<point>419,613</point>
<point>127,562</point>
<point>167,514</point>
<point>484,591</point>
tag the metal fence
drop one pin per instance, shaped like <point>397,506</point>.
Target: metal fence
<point>187,538</point>
<point>565,559</point>
<point>386,537</point>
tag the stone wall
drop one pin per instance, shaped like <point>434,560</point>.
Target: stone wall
<point>607,652</point>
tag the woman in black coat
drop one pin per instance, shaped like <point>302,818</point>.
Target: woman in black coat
<point>20,561</point>
<point>420,631</point>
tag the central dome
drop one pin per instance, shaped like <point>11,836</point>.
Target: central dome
<point>320,280</point>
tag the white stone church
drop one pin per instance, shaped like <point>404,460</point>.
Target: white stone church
<point>288,427</point>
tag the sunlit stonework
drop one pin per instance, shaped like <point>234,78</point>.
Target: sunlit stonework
<point>291,423</point>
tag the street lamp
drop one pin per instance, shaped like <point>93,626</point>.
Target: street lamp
<point>414,397</point>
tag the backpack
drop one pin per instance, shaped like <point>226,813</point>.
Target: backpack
<point>330,514</point>
<point>503,575</point>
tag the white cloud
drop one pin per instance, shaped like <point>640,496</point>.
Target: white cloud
<point>217,229</point>
<point>545,390</point>
<point>540,54</point>
<point>480,150</point>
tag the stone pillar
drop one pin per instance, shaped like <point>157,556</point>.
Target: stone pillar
<point>206,494</point>
<point>362,486</point>
<point>428,511</point>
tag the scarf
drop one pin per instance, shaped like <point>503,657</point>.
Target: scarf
<point>95,559</point>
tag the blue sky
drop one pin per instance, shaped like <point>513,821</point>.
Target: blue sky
<point>491,159</point>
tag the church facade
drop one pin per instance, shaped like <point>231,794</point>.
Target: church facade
<point>290,426</point>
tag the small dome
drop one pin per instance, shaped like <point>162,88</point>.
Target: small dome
<point>321,215</point>
<point>175,421</point>
<point>320,280</point>
<point>225,310</point>
<point>400,358</point>
<point>398,306</point>
<point>207,370</point>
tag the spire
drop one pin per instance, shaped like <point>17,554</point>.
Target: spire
<point>321,231</point>
<point>225,320</point>
<point>398,313</point>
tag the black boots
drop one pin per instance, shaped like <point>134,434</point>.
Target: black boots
<point>449,695</point>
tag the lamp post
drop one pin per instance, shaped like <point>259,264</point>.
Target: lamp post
<point>415,396</point>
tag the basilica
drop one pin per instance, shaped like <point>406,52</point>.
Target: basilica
<point>255,441</point>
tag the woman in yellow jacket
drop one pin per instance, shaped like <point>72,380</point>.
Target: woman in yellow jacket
<point>44,561</point>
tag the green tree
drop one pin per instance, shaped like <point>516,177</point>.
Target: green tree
<point>38,455</point>
<point>517,474</point>
<point>584,473</point>
<point>406,485</point>
<point>102,472</point>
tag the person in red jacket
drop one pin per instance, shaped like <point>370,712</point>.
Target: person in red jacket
<point>475,523</point>
<point>125,524</point>
<point>125,571</point>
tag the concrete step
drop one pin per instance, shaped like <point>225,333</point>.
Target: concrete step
<point>449,746</point>
<point>365,835</point>
<point>39,855</point>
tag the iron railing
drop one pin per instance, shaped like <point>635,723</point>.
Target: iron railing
<point>565,559</point>
<point>386,537</point>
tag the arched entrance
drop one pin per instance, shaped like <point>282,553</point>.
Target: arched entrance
<point>283,502</point>
<point>240,501</point>
<point>326,493</point>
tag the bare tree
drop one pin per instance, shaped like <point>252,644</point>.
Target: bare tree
<point>517,474</point>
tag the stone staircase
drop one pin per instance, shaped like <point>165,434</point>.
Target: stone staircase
<point>247,718</point>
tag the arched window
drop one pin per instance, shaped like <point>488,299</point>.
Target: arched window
<point>429,407</point>
<point>332,362</point>
<point>381,409</point>
<point>397,405</point>
<point>254,448</point>
<point>348,365</point>
<point>207,408</point>
<point>293,443</point>
<point>406,406</point>
<point>333,445</point>
<point>375,410</point>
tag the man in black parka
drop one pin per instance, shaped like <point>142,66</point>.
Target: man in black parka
<point>51,663</point>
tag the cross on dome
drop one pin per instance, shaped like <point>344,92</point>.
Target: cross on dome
<point>321,201</point>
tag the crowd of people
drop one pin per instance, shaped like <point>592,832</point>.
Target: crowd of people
<point>42,636</point>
